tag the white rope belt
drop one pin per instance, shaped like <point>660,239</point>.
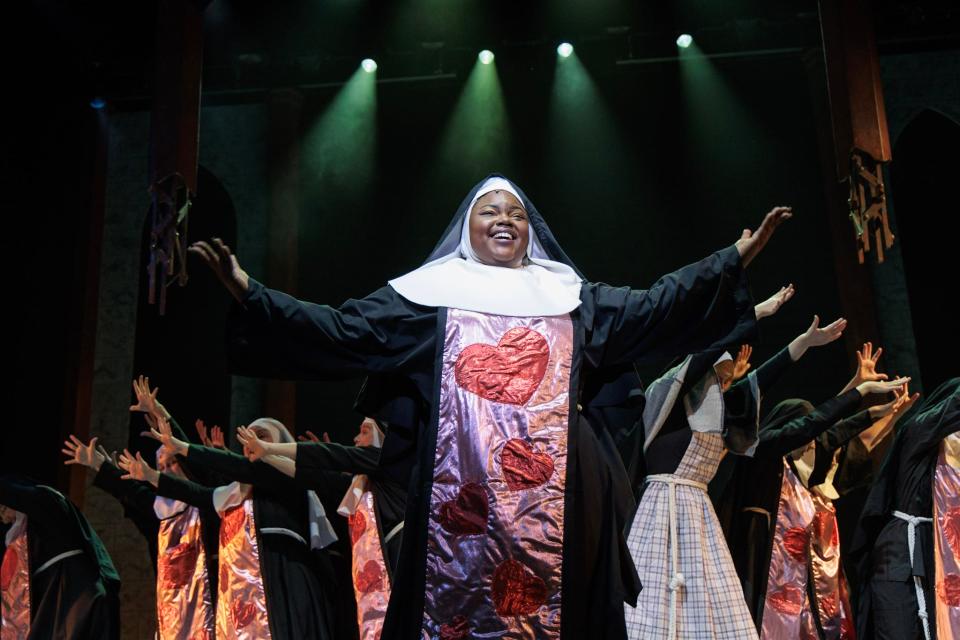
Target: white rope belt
<point>677,580</point>
<point>283,532</point>
<point>912,522</point>
<point>393,533</point>
<point>55,559</point>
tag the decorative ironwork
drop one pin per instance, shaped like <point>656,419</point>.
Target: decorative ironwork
<point>867,202</point>
<point>167,263</point>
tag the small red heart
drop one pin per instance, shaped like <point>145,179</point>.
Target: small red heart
<point>524,468</point>
<point>951,528</point>
<point>509,372</point>
<point>11,560</point>
<point>948,590</point>
<point>466,514</point>
<point>178,564</point>
<point>825,527</point>
<point>370,578</point>
<point>795,540</point>
<point>456,629</point>
<point>243,613</point>
<point>357,522</point>
<point>787,600</point>
<point>517,590</point>
<point>231,522</point>
<point>831,605</point>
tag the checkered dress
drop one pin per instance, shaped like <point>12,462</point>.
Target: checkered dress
<point>710,604</point>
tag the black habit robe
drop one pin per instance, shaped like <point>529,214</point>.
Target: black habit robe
<point>887,603</point>
<point>399,345</point>
<point>75,598</point>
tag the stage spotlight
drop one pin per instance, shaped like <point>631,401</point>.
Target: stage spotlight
<point>565,49</point>
<point>486,56</point>
<point>369,65</point>
<point>685,40</point>
<point>98,103</point>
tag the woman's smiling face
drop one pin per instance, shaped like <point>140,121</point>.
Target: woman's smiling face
<point>499,229</point>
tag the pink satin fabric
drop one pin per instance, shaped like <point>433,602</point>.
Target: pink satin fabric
<point>495,538</point>
<point>242,605</point>
<point>371,582</point>
<point>806,546</point>
<point>15,589</point>
<point>946,519</point>
<point>184,601</point>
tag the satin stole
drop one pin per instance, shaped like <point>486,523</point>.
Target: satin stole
<point>371,582</point>
<point>242,604</point>
<point>495,536</point>
<point>946,537</point>
<point>184,602</point>
<point>15,589</point>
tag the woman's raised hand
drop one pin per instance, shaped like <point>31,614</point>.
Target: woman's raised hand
<point>752,242</point>
<point>221,260</point>
<point>253,447</point>
<point>881,386</point>
<point>867,364</point>
<point>88,455</point>
<point>772,304</point>
<point>162,433</point>
<point>137,468</point>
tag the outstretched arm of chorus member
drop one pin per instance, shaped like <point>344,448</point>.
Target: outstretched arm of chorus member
<point>135,496</point>
<point>167,485</point>
<point>702,306</point>
<point>311,460</point>
<point>272,334</point>
<point>778,442</point>
<point>771,305</point>
<point>42,504</point>
<point>866,366</point>
<point>926,430</point>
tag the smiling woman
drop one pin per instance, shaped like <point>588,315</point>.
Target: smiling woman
<point>499,230</point>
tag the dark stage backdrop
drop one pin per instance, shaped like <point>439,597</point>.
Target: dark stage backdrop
<point>648,195</point>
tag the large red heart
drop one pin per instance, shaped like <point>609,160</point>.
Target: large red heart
<point>11,560</point>
<point>524,468</point>
<point>517,590</point>
<point>243,613</point>
<point>509,372</point>
<point>466,514</point>
<point>369,578</point>
<point>358,524</point>
<point>795,540</point>
<point>231,522</point>
<point>788,600</point>
<point>948,590</point>
<point>177,565</point>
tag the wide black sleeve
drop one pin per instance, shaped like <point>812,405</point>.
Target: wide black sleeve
<point>705,305</point>
<point>778,441</point>
<point>237,468</point>
<point>314,457</point>
<point>192,493</point>
<point>274,335</point>
<point>836,437</point>
<point>770,371</point>
<point>38,502</point>
<point>136,497</point>
<point>926,430</point>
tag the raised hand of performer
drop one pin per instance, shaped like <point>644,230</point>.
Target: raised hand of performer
<point>253,447</point>
<point>137,468</point>
<point>212,438</point>
<point>752,242</point>
<point>162,433</point>
<point>882,386</point>
<point>816,336</point>
<point>147,402</point>
<point>742,364</point>
<point>772,304</point>
<point>866,366</point>
<point>87,455</point>
<point>310,436</point>
<point>218,256</point>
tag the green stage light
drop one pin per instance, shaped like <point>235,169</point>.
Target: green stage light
<point>486,56</point>
<point>685,40</point>
<point>565,49</point>
<point>369,65</point>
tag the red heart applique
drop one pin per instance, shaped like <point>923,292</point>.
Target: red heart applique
<point>11,560</point>
<point>788,600</point>
<point>524,468</point>
<point>948,590</point>
<point>169,616</point>
<point>825,527</point>
<point>951,528</point>
<point>357,522</point>
<point>509,372</point>
<point>456,629</point>
<point>517,590</point>
<point>466,514</point>
<point>370,578</point>
<point>795,541</point>
<point>243,613</point>
<point>231,522</point>
<point>177,565</point>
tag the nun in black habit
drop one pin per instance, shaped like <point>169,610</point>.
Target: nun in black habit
<point>896,592</point>
<point>57,579</point>
<point>515,518</point>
